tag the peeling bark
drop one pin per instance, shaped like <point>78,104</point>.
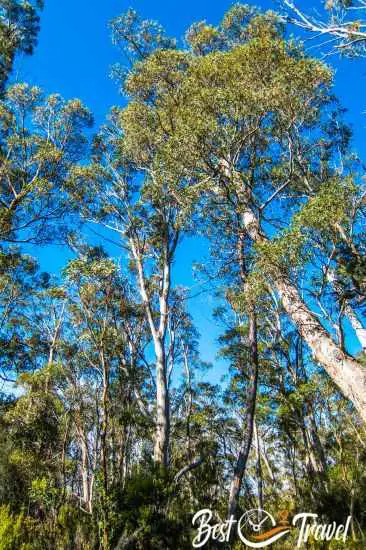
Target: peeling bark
<point>346,372</point>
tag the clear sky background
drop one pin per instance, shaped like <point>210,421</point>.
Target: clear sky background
<point>74,56</point>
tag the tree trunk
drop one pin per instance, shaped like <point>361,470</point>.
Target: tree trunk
<point>162,429</point>
<point>162,414</point>
<point>346,372</point>
<point>85,468</point>
<point>357,326</point>
<point>314,434</point>
<point>189,403</point>
<point>259,471</point>
<point>248,434</point>
<point>266,462</point>
<point>349,311</point>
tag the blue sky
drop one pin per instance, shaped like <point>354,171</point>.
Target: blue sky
<point>74,56</point>
<point>75,50</point>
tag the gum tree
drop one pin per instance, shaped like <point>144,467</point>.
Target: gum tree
<point>247,123</point>
<point>40,139</point>
<point>131,193</point>
<point>259,108</point>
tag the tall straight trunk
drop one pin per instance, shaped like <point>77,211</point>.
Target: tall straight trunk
<point>53,344</point>
<point>189,403</point>
<point>242,460</point>
<point>163,409</point>
<point>310,458</point>
<point>162,428</point>
<point>125,453</point>
<point>162,392</point>
<point>259,471</point>
<point>85,475</point>
<point>314,436</point>
<point>105,421</point>
<point>266,463</point>
<point>85,469</point>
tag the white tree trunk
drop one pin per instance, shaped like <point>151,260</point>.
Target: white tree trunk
<point>349,311</point>
<point>346,372</point>
<point>85,471</point>
<point>162,429</point>
<point>162,413</point>
<point>357,326</point>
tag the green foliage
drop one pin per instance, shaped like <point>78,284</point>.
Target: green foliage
<point>330,206</point>
<point>19,26</point>
<point>144,513</point>
<point>240,24</point>
<point>11,530</point>
<point>138,39</point>
<point>37,161</point>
